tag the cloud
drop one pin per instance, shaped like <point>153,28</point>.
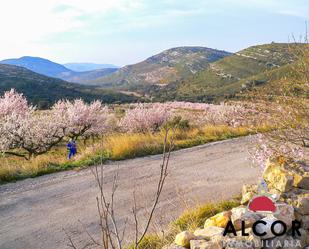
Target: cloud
<point>293,13</point>
<point>55,28</point>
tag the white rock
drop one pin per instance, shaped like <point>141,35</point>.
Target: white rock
<point>203,244</point>
<point>240,214</point>
<point>183,238</point>
<point>209,232</point>
<point>261,228</point>
<point>173,246</point>
<point>285,213</point>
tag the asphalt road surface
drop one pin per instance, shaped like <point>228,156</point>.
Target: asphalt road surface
<point>42,212</point>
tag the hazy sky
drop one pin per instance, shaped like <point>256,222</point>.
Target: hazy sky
<point>124,32</point>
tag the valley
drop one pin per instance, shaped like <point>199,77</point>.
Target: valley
<point>185,73</point>
<point>43,91</point>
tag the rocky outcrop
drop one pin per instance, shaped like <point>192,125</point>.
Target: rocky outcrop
<point>287,187</point>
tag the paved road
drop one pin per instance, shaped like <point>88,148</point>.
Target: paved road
<point>34,212</point>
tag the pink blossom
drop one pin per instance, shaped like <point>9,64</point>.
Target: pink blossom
<point>79,118</point>
<point>145,117</point>
<point>36,132</point>
<point>266,149</point>
<point>13,102</point>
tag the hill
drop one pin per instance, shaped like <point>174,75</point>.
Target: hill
<point>43,91</point>
<point>195,73</point>
<point>84,67</point>
<point>39,65</point>
<point>52,69</point>
<point>162,69</point>
<point>224,78</point>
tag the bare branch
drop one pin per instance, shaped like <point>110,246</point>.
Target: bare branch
<point>163,175</point>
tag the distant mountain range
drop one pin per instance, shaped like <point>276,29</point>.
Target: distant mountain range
<point>84,67</point>
<point>182,73</point>
<point>52,69</point>
<point>43,91</point>
<point>39,65</point>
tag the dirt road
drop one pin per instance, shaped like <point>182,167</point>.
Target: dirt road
<point>34,212</point>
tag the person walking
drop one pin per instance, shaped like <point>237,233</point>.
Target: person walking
<point>71,147</point>
<point>74,148</point>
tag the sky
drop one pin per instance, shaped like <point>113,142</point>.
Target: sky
<point>124,32</point>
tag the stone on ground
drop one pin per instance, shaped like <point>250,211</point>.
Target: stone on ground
<point>219,220</point>
<point>248,192</point>
<point>277,177</point>
<point>173,246</point>
<point>240,214</point>
<point>261,228</point>
<point>299,199</point>
<point>209,232</point>
<point>285,213</point>
<point>203,244</point>
<point>183,238</point>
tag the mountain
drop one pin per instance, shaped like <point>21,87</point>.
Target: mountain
<point>162,69</point>
<point>52,69</point>
<point>39,65</point>
<point>253,66</point>
<point>184,73</point>
<point>43,91</point>
<point>84,67</point>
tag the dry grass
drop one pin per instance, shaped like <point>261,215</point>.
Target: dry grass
<point>117,146</point>
<point>191,219</point>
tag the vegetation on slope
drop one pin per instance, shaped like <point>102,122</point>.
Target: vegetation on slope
<point>163,68</point>
<point>256,65</point>
<point>43,91</point>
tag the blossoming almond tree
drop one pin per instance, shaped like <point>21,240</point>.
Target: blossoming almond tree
<point>143,118</point>
<point>26,132</point>
<point>79,118</point>
<point>34,134</point>
<point>14,110</point>
<point>266,149</point>
<point>13,102</point>
<point>290,140</point>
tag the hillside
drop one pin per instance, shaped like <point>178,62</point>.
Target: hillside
<point>162,69</point>
<point>52,69</point>
<point>192,73</point>
<point>39,65</point>
<point>84,67</point>
<point>224,78</point>
<point>44,91</point>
